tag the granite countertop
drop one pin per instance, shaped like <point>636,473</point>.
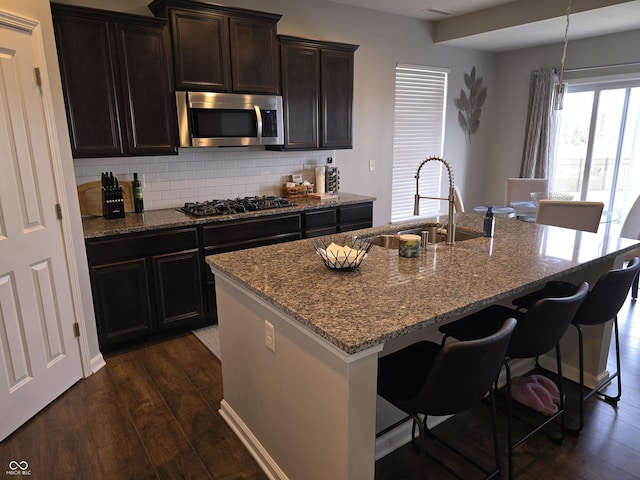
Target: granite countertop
<point>170,217</point>
<point>389,296</point>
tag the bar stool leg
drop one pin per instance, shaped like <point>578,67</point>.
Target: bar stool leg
<point>609,398</point>
<point>562,406</point>
<point>509,422</point>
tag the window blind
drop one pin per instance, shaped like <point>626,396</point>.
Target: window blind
<point>418,133</point>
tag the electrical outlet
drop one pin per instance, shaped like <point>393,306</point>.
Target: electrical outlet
<point>269,336</point>
<point>372,165</point>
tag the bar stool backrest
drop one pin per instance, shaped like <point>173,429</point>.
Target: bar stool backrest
<point>576,215</point>
<point>463,372</point>
<point>607,296</point>
<point>543,325</point>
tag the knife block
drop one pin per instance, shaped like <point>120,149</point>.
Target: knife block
<point>112,202</point>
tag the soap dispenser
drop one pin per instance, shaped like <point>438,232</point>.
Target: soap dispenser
<point>489,223</point>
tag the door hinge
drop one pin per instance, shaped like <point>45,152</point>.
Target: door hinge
<point>76,329</point>
<point>38,77</point>
<point>59,211</point>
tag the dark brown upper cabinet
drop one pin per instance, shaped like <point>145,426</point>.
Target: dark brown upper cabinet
<point>317,93</point>
<point>221,49</point>
<point>117,87</point>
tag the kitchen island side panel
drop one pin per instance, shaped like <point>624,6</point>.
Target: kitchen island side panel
<point>306,411</point>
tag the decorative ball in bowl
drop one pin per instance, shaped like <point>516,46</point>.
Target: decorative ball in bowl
<point>342,252</point>
<point>537,196</point>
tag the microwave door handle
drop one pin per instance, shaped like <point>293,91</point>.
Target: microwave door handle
<point>258,121</point>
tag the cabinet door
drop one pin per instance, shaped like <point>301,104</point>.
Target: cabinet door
<point>300,91</point>
<point>89,83</point>
<point>201,51</point>
<point>149,109</point>
<point>254,56</point>
<point>336,69</point>
<point>121,299</point>
<point>178,283</point>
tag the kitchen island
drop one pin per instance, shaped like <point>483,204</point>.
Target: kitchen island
<point>300,342</point>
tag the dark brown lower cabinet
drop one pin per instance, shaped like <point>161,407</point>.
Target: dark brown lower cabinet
<point>149,283</point>
<point>146,283</point>
<point>178,284</point>
<point>355,217</point>
<point>319,222</point>
<point>327,221</point>
<point>253,232</point>
<point>121,301</point>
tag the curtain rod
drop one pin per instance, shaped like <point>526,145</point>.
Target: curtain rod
<point>615,65</point>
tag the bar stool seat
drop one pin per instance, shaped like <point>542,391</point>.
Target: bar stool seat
<point>538,330</point>
<point>430,379</point>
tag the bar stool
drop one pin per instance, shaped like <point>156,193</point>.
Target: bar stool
<point>430,379</point>
<point>602,304</point>
<point>539,330</point>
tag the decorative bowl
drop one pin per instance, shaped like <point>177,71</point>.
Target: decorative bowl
<point>344,252</point>
<point>537,196</point>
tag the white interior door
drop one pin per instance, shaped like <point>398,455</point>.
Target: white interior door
<point>39,354</point>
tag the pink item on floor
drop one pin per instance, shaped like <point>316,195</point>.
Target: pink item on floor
<point>537,392</point>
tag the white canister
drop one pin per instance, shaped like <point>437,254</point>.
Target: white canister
<point>320,179</point>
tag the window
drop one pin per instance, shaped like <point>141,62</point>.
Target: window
<point>418,133</point>
<point>598,148</point>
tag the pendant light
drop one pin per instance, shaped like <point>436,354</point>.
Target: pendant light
<point>560,86</point>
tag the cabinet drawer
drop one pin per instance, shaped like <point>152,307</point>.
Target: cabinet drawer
<point>110,249</point>
<point>319,218</point>
<point>356,213</point>
<point>319,232</point>
<point>226,233</point>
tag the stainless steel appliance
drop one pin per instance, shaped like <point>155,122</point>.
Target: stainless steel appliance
<point>236,205</point>
<point>208,119</point>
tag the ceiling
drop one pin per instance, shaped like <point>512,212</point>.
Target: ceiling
<point>501,25</point>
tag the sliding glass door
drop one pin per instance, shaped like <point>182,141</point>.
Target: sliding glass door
<point>597,155</point>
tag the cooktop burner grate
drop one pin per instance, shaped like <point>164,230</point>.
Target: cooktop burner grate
<point>236,205</point>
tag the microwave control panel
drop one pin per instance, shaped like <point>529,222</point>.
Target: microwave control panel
<point>269,123</point>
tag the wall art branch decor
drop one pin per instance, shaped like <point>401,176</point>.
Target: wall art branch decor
<point>469,105</point>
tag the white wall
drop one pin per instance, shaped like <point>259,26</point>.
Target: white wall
<point>384,40</point>
<point>512,81</point>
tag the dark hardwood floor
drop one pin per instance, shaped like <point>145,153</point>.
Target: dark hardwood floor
<point>152,413</point>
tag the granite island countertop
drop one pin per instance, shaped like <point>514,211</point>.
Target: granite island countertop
<point>94,227</point>
<point>389,296</point>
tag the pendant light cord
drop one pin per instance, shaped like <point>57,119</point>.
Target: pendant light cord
<point>566,40</point>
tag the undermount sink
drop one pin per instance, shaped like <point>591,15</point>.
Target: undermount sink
<point>436,235</point>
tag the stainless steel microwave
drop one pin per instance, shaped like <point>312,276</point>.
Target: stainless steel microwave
<point>229,119</point>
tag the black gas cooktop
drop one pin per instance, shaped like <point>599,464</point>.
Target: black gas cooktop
<point>235,205</point>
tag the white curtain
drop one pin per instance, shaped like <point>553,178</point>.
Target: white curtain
<point>537,140</point>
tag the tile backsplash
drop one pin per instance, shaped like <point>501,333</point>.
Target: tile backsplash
<point>204,174</point>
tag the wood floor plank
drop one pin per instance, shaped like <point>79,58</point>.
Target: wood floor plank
<point>168,449</point>
<point>113,432</point>
<point>218,447</point>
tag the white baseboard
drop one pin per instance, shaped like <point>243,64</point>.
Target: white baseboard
<point>97,363</point>
<point>258,452</point>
